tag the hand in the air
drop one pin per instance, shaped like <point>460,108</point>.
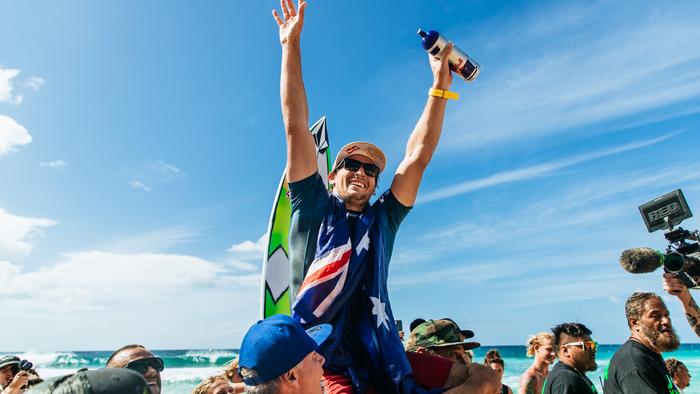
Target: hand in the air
<point>442,75</point>
<point>674,286</point>
<point>292,22</point>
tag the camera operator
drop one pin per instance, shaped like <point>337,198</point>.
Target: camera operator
<point>675,287</point>
<point>13,380</point>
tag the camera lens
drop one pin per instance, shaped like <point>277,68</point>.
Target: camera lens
<point>674,262</point>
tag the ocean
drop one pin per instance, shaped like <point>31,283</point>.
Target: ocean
<point>184,369</point>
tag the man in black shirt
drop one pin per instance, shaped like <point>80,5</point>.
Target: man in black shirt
<point>637,367</point>
<point>576,352</point>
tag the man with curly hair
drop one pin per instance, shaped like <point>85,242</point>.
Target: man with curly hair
<point>217,384</point>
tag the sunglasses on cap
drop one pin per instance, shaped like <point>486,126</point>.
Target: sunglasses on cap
<point>587,346</point>
<point>354,165</point>
<point>141,365</point>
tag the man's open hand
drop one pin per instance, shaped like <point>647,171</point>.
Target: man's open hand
<point>291,22</point>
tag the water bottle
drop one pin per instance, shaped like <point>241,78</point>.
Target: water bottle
<point>434,44</point>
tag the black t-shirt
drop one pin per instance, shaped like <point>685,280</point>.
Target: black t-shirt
<point>636,369</point>
<point>564,379</point>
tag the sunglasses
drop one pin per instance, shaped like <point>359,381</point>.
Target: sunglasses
<point>141,365</point>
<point>587,346</point>
<point>354,165</point>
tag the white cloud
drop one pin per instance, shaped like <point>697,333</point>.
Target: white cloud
<point>249,246</point>
<point>139,185</point>
<point>17,234</point>
<point>155,173</point>
<point>86,278</point>
<point>12,135</point>
<point>121,298</point>
<point>534,171</point>
<point>598,70</point>
<point>34,83</point>
<point>583,213</point>
<point>59,163</point>
<point>248,254</point>
<point>154,241</point>
<point>6,86</point>
<point>164,168</point>
<point>243,265</point>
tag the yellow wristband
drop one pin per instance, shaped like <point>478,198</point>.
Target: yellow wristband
<point>446,94</point>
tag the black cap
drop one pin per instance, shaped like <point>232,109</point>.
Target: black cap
<point>99,381</point>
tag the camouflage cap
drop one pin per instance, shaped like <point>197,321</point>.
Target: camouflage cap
<point>442,332</point>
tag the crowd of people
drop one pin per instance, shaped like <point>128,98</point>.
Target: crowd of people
<point>279,355</point>
<point>341,337</point>
<point>637,366</point>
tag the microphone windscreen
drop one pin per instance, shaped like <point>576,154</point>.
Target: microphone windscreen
<point>640,260</point>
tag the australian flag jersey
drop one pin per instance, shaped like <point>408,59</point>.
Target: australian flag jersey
<point>346,286</point>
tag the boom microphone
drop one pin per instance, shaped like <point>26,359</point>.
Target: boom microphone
<point>641,260</point>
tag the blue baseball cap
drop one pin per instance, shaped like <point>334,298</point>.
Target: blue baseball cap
<point>275,345</point>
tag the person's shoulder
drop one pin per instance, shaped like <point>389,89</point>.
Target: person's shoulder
<point>638,352</point>
<point>310,181</point>
<point>530,380</point>
<point>307,193</point>
<point>631,374</point>
<point>387,197</point>
<point>562,371</point>
<point>627,350</point>
<point>528,375</point>
<point>560,375</point>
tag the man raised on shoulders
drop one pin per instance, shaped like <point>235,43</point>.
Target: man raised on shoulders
<point>340,244</point>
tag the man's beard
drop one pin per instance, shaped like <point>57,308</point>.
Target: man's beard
<point>591,366</point>
<point>660,341</point>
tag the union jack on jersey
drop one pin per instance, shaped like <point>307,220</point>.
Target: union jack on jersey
<point>326,277</point>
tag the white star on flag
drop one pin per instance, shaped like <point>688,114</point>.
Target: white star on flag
<point>379,309</point>
<point>364,243</point>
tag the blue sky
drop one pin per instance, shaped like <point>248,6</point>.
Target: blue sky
<point>141,145</point>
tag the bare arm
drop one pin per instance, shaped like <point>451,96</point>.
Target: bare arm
<point>480,379</point>
<point>674,286</point>
<point>528,384</point>
<point>301,151</point>
<point>425,136</point>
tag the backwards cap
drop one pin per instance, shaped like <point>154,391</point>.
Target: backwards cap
<point>438,333</point>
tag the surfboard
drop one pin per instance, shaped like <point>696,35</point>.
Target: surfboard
<point>276,272</point>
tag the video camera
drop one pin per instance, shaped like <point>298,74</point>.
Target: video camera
<point>682,255</point>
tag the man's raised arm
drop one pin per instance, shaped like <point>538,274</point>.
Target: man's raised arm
<point>301,150</point>
<point>425,136</point>
<point>674,286</point>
